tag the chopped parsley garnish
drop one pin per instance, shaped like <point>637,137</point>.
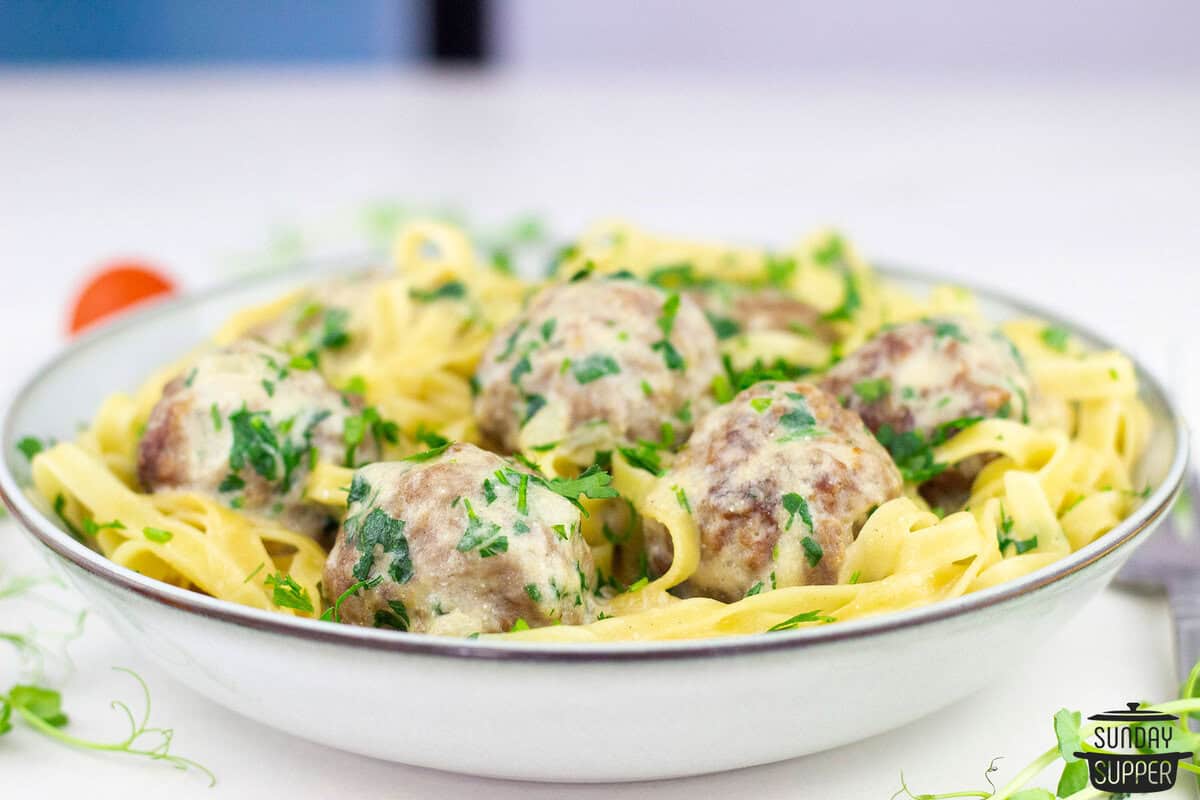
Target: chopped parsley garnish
<point>215,412</point>
<point>563,531</point>
<point>1004,536</point>
<point>60,511</point>
<point>593,482</point>
<point>780,269</point>
<point>723,327</point>
<point>269,388</point>
<point>594,367</point>
<point>1055,338</point>
<point>873,390</point>
<point>644,456</point>
<point>684,414</point>
<point>355,429</point>
<point>523,494</point>
<point>798,422</point>
<point>682,498</point>
<point>755,589</point>
<point>30,446</point>
<point>232,483</point>
<point>429,438</point>
<point>91,527</point>
<point>519,625</point>
<point>807,616</point>
<point>451,290</point>
<point>380,529</point>
<point>795,504</point>
<point>255,571</point>
<point>678,276</point>
<point>333,329</point>
<point>334,612</point>
<point>535,594</point>
<point>356,385</point>
<point>832,255</point>
<point>738,380</point>
<point>943,329</point>
<point>666,323</point>
<point>813,552</point>
<point>481,535</point>
<point>647,389</point>
<point>511,344</point>
<point>548,329</point>
<point>913,454</point>
<point>533,404</point>
<point>760,404</point>
<point>395,616</point>
<point>286,593</point>
<point>254,443</point>
<point>359,489</point>
<point>519,370</point>
<point>427,455</point>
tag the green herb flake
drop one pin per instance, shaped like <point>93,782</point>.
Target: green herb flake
<point>943,329</point>
<point>535,594</point>
<point>723,327</point>
<point>286,593</point>
<point>1004,536</point>
<point>1055,338</point>
<point>873,390</point>
<point>157,535</point>
<point>644,456</point>
<point>427,455</point>
<point>451,290</point>
<point>799,619</point>
<point>481,535</point>
<point>594,367</point>
<point>794,504</point>
<point>30,446</point>
<point>760,404</point>
<point>379,529</point>
<point>682,498</point>
<point>395,616</point>
<point>813,552</point>
<point>755,589</point>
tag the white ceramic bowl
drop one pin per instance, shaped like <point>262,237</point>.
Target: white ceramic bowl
<point>552,712</point>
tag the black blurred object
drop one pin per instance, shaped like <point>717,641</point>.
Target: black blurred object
<point>459,31</point>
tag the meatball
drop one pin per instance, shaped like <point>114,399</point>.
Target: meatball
<point>458,541</point>
<point>732,310</point>
<point>245,424</point>
<point>322,316</point>
<point>779,481</point>
<point>921,375</point>
<point>607,360</point>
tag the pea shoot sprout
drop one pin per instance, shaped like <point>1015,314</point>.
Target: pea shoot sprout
<point>1071,737</point>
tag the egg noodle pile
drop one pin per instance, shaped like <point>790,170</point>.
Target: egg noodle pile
<point>1060,480</point>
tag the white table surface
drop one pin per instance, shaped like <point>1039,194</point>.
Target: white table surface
<point>1084,197</point>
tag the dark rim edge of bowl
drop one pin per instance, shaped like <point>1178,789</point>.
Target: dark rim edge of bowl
<point>58,541</point>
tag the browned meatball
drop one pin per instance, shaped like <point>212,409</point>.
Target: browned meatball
<point>733,310</point>
<point>607,360</point>
<point>779,481</point>
<point>458,542</point>
<point>245,424</point>
<point>917,376</point>
<point>324,318</point>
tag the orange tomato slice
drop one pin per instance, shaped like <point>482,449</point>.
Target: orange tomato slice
<point>115,287</point>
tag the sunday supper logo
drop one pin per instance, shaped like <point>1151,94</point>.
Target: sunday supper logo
<point>1130,750</point>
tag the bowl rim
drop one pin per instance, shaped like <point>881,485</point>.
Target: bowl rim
<point>56,540</point>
